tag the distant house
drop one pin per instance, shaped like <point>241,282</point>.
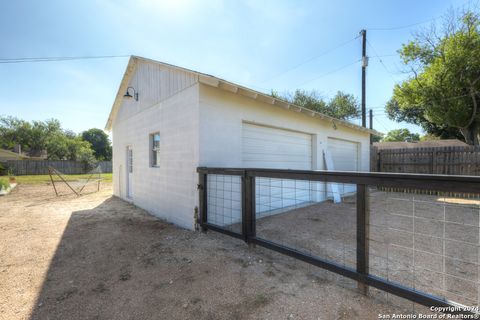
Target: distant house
<point>6,155</point>
<point>420,144</point>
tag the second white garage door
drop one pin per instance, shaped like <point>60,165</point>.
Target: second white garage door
<point>344,155</point>
<point>266,147</point>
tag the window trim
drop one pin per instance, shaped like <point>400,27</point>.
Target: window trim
<point>152,149</point>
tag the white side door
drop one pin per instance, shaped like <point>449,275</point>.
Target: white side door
<point>129,172</point>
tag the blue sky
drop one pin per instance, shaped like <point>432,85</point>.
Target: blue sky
<point>254,43</point>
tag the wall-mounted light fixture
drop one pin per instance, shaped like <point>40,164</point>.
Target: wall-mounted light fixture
<point>127,94</point>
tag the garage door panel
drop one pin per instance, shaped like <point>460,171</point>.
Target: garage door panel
<point>344,155</point>
<point>272,147</point>
<point>284,139</point>
<point>261,131</point>
<point>294,153</point>
<point>266,147</point>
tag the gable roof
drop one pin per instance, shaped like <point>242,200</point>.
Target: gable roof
<point>9,155</point>
<point>224,85</point>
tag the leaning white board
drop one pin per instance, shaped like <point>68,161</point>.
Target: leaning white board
<point>329,166</point>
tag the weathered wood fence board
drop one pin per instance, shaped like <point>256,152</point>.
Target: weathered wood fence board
<point>433,160</point>
<point>32,167</point>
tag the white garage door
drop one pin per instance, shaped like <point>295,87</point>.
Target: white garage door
<point>265,147</point>
<point>344,155</point>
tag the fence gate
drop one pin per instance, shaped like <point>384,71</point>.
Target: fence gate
<point>417,242</point>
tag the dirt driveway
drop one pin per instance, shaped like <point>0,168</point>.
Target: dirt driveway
<point>98,257</point>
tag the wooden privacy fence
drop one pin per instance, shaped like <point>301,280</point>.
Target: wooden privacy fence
<point>33,167</point>
<point>432,160</point>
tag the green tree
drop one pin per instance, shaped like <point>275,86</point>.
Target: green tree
<point>341,106</point>
<point>80,150</point>
<point>13,131</point>
<point>31,136</point>
<point>442,93</point>
<point>429,137</point>
<point>376,138</point>
<point>57,147</point>
<point>415,115</point>
<point>100,143</point>
<point>401,135</point>
<point>36,137</point>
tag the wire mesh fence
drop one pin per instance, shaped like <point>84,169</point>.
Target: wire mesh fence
<point>427,242</point>
<point>418,241</point>
<point>224,201</point>
<point>303,215</point>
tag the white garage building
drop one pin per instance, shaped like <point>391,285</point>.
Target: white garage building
<point>174,120</point>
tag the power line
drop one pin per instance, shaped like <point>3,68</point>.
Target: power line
<point>51,59</point>
<point>330,72</point>
<point>380,59</point>
<point>381,123</point>
<point>311,59</point>
<point>388,55</point>
<point>404,26</point>
<point>420,22</point>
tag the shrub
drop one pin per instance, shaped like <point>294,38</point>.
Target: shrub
<point>4,184</point>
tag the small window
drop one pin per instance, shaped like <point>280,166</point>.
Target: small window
<point>155,149</point>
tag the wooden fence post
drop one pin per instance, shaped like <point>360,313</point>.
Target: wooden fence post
<point>363,221</point>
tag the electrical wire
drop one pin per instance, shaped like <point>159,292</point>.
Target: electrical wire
<point>311,59</point>
<point>381,123</point>
<point>416,23</point>
<point>404,26</point>
<point>52,59</point>
<point>381,61</point>
<point>330,72</point>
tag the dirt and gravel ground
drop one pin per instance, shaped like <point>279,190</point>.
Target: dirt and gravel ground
<point>98,257</point>
<point>422,241</point>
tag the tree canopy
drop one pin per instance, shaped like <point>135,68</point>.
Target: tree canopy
<point>341,106</point>
<point>442,92</point>
<point>38,137</point>
<point>401,135</point>
<point>100,142</point>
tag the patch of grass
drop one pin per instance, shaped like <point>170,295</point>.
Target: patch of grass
<point>4,184</point>
<point>40,179</point>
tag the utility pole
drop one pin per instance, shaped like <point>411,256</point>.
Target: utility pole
<point>370,115</point>
<point>364,69</point>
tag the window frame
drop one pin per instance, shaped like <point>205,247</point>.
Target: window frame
<point>154,150</point>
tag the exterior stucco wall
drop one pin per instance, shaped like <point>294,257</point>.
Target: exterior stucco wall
<point>168,191</point>
<point>200,126</point>
<point>222,114</point>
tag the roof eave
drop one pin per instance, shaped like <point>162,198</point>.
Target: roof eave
<point>132,64</point>
<point>256,95</point>
<point>227,86</point>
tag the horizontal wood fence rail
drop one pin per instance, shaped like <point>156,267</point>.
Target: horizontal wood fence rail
<point>246,225</point>
<point>433,160</point>
<point>36,167</point>
<point>457,183</point>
